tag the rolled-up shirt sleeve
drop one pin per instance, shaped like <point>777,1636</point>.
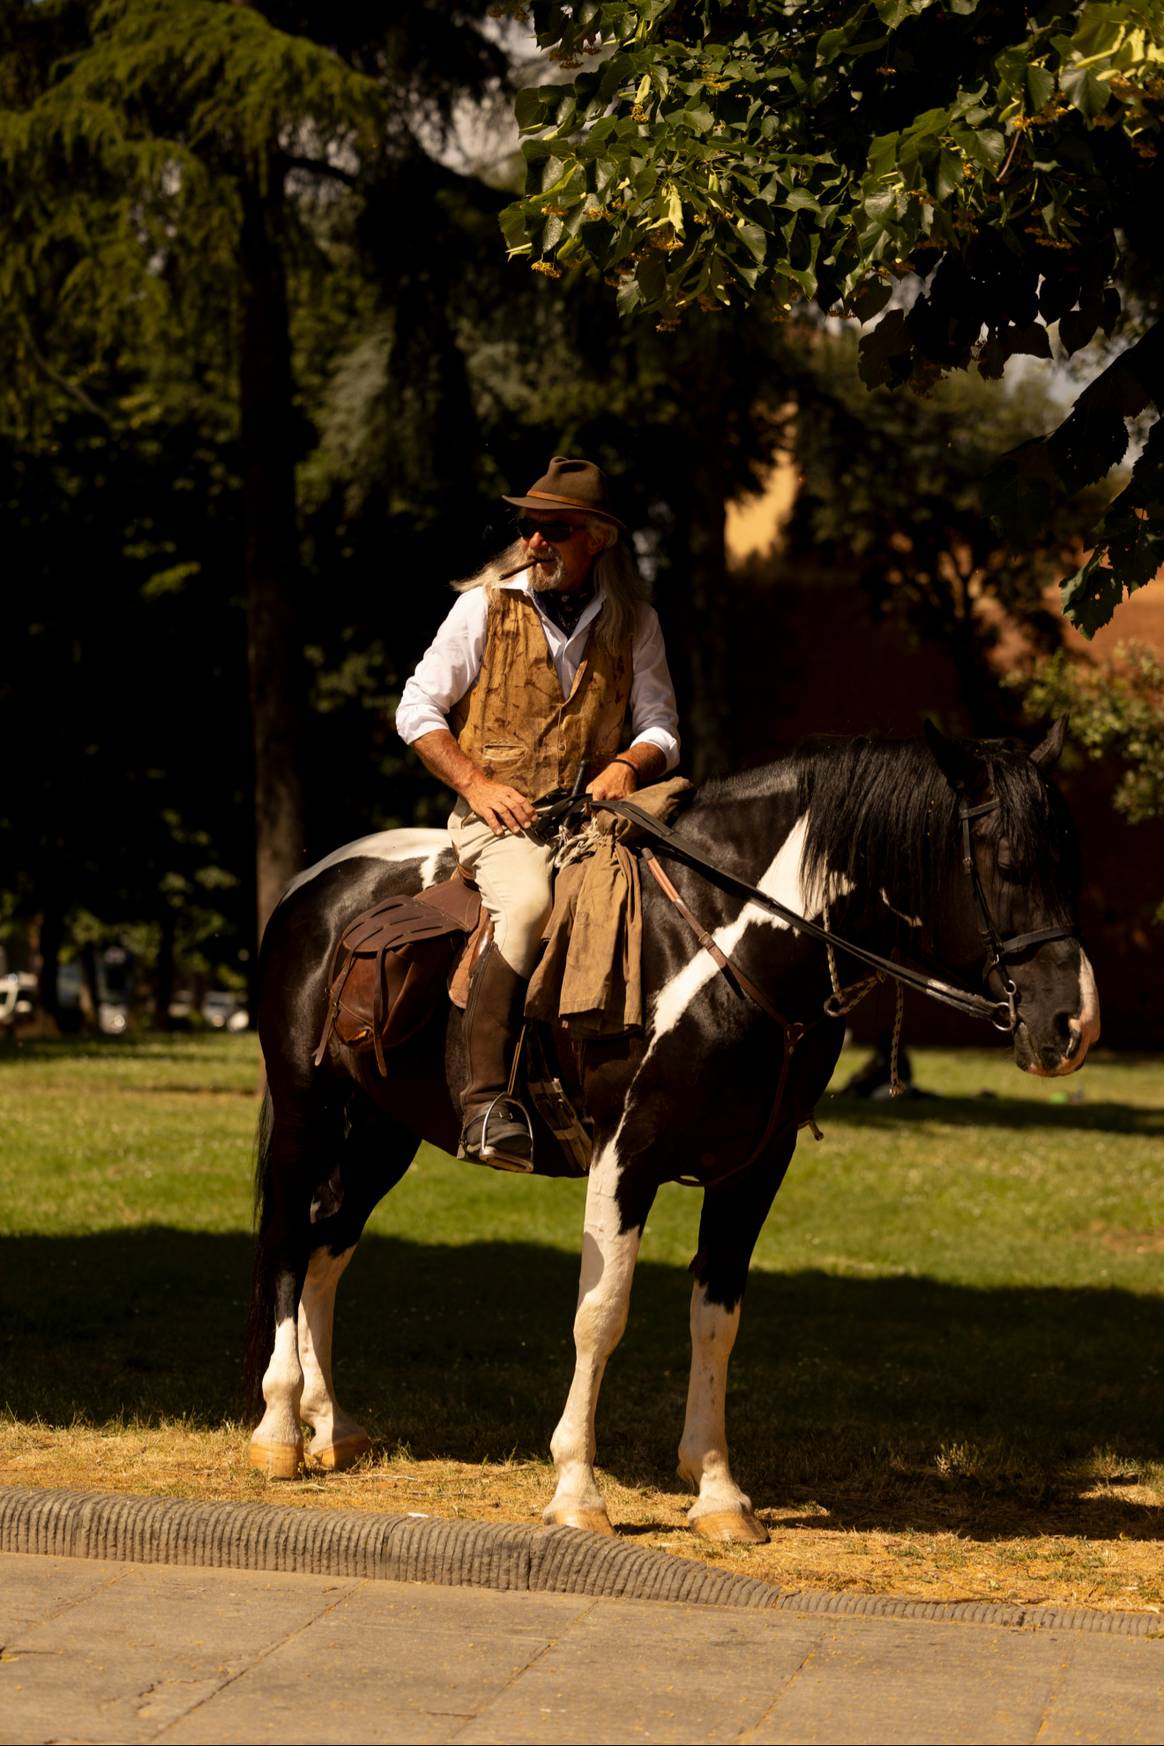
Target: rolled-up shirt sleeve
<point>447,669</point>
<point>654,716</point>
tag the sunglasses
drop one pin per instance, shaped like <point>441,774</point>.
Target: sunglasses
<point>557,532</point>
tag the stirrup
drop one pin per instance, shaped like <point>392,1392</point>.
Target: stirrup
<point>493,1153</point>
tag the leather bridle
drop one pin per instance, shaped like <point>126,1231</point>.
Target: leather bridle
<point>1002,1014</point>
<point>999,947</point>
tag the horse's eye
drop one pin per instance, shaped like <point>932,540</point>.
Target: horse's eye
<point>1008,871</point>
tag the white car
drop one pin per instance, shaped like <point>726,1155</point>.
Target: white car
<point>17,996</point>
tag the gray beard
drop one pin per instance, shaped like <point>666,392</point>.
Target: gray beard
<point>546,578</point>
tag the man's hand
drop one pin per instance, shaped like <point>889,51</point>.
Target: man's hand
<point>616,782</point>
<point>503,808</point>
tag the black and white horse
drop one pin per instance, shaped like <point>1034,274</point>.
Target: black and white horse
<point>873,829</point>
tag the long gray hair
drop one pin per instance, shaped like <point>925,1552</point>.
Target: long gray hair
<point>614,571</point>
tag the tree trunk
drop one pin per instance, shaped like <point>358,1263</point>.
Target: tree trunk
<point>164,970</point>
<point>271,555</point>
<point>50,937</point>
<point>90,990</point>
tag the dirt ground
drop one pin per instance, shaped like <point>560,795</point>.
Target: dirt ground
<point>1115,1565</point>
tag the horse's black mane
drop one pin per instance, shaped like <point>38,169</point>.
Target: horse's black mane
<point>882,817</point>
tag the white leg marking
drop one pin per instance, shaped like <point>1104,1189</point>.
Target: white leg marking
<point>783,881</point>
<point>608,1264</point>
<point>703,1455</point>
<point>318,1408</point>
<point>282,1390</point>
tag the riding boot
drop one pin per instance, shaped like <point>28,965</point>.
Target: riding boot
<point>496,1130</point>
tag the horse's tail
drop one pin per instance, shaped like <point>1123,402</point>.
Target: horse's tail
<point>261,1313</point>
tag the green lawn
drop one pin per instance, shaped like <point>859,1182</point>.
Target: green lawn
<point>956,1298</point>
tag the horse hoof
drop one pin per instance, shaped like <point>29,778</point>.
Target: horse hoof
<point>277,1460</point>
<point>737,1527</point>
<point>593,1521</point>
<point>344,1452</point>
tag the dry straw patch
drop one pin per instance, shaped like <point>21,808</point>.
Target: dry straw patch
<point>809,1547</point>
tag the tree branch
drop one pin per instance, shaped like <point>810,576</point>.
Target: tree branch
<point>73,390</point>
<point>321,167</point>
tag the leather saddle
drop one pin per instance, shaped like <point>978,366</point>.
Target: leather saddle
<point>393,962</point>
<point>394,966</point>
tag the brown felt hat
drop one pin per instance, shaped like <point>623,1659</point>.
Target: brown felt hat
<point>570,485</point>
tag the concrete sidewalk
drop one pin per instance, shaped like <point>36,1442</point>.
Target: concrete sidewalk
<point>96,1651</point>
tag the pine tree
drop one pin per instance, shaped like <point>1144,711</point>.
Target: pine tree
<point>166,165</point>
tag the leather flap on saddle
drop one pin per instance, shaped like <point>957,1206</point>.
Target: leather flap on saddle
<point>456,898</point>
<point>589,977</point>
<point>391,963</point>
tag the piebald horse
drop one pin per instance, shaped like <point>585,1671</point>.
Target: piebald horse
<point>927,849</point>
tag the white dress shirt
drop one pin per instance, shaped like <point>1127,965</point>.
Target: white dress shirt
<point>452,661</point>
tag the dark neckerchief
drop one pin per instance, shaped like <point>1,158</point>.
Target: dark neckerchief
<point>565,609</point>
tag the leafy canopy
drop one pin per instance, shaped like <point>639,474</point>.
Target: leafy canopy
<point>716,152</point>
<point>1116,710</point>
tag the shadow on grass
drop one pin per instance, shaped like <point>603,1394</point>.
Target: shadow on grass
<point>994,1112</point>
<point>891,1403</point>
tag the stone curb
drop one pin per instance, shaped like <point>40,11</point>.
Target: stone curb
<point>498,1555</point>
<point>887,1606</point>
<point>398,1548</point>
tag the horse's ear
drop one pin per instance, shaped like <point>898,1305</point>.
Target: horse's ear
<point>1048,751</point>
<point>956,765</point>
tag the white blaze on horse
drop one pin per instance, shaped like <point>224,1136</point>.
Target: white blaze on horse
<point>958,856</point>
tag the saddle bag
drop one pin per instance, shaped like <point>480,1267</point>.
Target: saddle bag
<point>392,963</point>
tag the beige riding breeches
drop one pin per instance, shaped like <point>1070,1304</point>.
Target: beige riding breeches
<point>513,873</point>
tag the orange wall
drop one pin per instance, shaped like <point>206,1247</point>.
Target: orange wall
<point>812,658</point>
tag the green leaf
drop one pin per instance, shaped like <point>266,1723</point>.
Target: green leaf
<point>1031,339</point>
<point>530,105</point>
<point>895,12</point>
<point>755,238</point>
<point>1088,94</point>
<point>1091,595</point>
<point>870,299</point>
<point>652,279</point>
<point>513,224</point>
<point>629,297</point>
<point>987,146</point>
<point>948,174</point>
<point>1075,329</point>
<point>877,350</point>
<point>1040,86</point>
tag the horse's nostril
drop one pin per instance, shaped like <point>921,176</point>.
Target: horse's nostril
<point>1074,1038</point>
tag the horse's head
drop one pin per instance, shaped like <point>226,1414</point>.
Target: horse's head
<point>1008,904</point>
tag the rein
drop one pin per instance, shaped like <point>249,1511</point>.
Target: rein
<point>1002,1014</point>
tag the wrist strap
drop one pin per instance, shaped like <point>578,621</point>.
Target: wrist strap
<point>630,766</point>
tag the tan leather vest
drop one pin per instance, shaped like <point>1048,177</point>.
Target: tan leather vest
<point>515,723</point>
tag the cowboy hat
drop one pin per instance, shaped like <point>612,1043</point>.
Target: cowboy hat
<point>570,485</point>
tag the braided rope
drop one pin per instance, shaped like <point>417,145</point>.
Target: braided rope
<point>843,1000</point>
<point>896,1086</point>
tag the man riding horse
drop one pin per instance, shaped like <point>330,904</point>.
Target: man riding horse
<point>550,662</point>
